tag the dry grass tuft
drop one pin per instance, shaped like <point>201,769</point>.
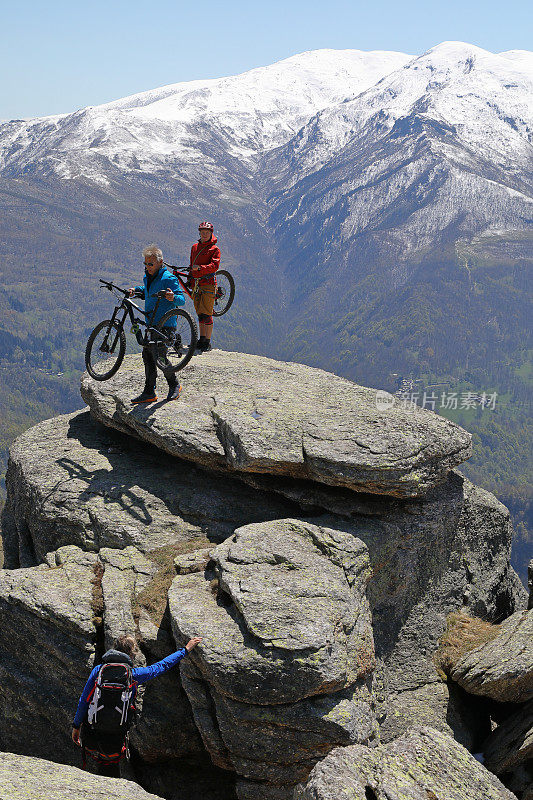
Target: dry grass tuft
<point>154,597</point>
<point>463,633</point>
<point>97,598</point>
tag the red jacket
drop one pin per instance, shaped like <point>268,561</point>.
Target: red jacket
<point>206,256</point>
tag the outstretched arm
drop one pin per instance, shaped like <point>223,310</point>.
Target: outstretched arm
<point>145,674</point>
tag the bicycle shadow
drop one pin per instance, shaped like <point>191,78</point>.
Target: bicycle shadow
<point>167,481</point>
<point>110,490</point>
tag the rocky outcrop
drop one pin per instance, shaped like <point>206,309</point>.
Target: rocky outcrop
<point>255,415</point>
<point>423,764</point>
<point>284,671</point>
<point>494,663</point>
<point>25,778</point>
<point>318,551</point>
<point>48,638</point>
<point>502,668</point>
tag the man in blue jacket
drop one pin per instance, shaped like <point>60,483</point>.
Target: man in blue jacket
<point>156,278</point>
<point>106,750</point>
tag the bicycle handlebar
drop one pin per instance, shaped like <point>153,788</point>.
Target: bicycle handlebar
<point>111,286</point>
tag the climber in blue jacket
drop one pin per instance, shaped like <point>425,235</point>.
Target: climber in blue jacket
<point>105,748</point>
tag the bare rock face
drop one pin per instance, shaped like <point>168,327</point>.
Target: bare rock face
<point>511,743</point>
<point>270,417</point>
<point>283,673</point>
<point>165,729</point>
<point>70,481</point>
<point>429,558</point>
<point>25,778</point>
<point>423,764</point>
<point>502,668</point>
<point>48,637</point>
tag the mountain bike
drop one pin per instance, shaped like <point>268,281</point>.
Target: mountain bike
<point>224,292</point>
<point>106,346</point>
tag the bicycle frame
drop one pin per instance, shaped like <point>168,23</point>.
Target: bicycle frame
<point>183,277</point>
<point>127,307</point>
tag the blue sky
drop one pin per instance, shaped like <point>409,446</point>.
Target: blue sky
<point>58,56</point>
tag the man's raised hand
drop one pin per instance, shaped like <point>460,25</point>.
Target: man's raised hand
<point>191,644</point>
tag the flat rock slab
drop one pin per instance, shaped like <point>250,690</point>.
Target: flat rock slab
<point>256,415</point>
<point>26,778</point>
<point>502,668</point>
<point>423,764</point>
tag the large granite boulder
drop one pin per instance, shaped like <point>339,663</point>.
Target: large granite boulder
<point>70,481</point>
<point>502,668</point>
<point>284,671</point>
<point>423,764</point>
<point>251,414</point>
<point>26,778</point>
<point>48,636</point>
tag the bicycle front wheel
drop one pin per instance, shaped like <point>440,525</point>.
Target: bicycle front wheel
<point>225,292</point>
<point>105,350</point>
<point>178,340</point>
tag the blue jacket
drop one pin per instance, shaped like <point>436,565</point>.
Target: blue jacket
<point>140,675</point>
<point>163,279</point>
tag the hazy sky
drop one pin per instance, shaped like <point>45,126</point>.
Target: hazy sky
<point>62,55</point>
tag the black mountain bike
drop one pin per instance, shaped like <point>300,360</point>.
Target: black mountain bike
<point>173,338</point>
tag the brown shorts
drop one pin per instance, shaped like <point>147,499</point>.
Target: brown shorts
<point>204,299</point>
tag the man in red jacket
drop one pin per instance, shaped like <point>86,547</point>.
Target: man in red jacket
<point>205,260</point>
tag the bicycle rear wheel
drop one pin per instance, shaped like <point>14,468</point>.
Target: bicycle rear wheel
<point>105,350</point>
<point>177,346</point>
<point>225,292</point>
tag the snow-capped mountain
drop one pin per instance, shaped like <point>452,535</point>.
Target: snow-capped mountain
<point>436,152</point>
<point>485,98</point>
<point>178,126</point>
<point>336,179</point>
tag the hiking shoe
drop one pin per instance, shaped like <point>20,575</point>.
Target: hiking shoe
<point>145,397</point>
<point>174,392</point>
<point>200,344</point>
<point>207,346</point>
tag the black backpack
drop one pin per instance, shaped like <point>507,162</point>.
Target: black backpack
<point>110,705</point>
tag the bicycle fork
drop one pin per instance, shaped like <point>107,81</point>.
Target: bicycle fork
<point>105,347</point>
